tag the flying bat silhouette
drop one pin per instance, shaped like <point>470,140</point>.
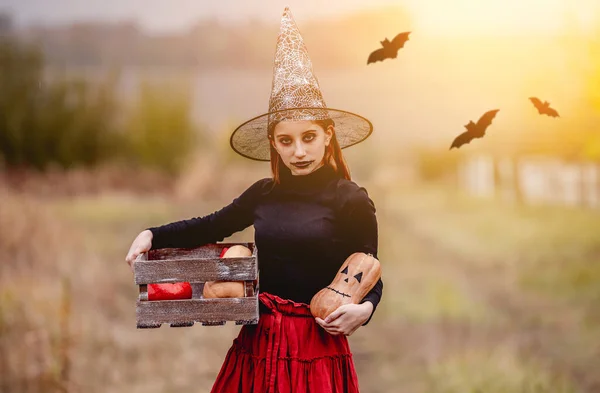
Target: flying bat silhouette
<point>475,130</point>
<point>390,49</point>
<point>543,108</point>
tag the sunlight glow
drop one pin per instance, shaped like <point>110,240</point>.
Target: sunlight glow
<point>459,17</point>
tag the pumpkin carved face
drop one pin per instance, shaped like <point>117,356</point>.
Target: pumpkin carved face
<point>350,282</point>
<point>357,276</point>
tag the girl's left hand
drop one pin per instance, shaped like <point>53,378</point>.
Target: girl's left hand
<point>346,318</point>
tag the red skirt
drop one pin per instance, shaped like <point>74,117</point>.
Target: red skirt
<point>286,352</point>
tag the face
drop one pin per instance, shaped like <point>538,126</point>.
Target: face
<point>347,280</point>
<point>301,145</point>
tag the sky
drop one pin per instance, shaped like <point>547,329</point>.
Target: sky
<point>429,16</point>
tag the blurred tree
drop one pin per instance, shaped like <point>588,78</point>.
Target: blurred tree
<point>71,121</point>
<point>221,147</point>
<point>66,122</point>
<point>20,72</point>
<point>435,163</point>
<point>160,130</point>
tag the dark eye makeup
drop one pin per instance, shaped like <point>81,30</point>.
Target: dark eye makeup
<point>309,136</point>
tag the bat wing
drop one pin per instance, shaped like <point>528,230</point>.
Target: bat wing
<point>463,138</point>
<point>400,39</point>
<point>377,55</point>
<point>536,102</point>
<point>486,119</point>
<point>551,112</point>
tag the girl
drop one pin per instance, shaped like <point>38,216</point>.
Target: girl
<point>308,218</point>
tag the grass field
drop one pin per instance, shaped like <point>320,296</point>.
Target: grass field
<point>478,297</point>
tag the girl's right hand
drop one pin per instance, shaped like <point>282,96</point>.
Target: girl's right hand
<point>141,244</point>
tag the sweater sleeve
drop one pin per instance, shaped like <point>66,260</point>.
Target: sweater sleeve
<point>212,228</point>
<point>360,223</point>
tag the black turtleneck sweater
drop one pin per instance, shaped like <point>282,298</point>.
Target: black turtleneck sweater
<point>304,227</point>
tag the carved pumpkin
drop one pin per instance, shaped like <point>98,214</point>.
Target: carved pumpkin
<point>357,276</point>
<point>223,289</point>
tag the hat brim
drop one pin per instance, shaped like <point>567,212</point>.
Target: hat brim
<point>250,139</point>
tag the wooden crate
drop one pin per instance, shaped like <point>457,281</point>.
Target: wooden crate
<point>196,266</point>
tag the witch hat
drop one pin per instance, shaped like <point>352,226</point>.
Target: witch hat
<point>295,95</point>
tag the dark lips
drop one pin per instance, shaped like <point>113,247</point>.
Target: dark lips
<point>302,164</point>
<point>338,292</point>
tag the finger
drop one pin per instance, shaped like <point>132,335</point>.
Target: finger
<point>336,314</point>
<point>134,259</point>
<point>335,328</point>
<point>135,254</point>
<point>320,321</point>
<point>328,328</point>
<point>334,332</point>
<point>323,324</point>
<point>131,255</point>
<point>334,325</point>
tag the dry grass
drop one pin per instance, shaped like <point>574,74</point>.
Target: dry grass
<point>78,334</point>
<point>460,301</point>
<point>208,177</point>
<point>494,371</point>
<point>56,183</point>
<point>35,300</point>
<point>456,316</point>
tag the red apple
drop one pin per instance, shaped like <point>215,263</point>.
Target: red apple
<point>223,251</point>
<point>173,291</point>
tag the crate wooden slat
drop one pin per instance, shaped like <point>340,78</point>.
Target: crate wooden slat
<point>196,266</point>
<point>206,251</point>
<point>197,289</point>
<point>195,270</point>
<point>152,313</point>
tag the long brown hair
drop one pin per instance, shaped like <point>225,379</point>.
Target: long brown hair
<point>333,153</point>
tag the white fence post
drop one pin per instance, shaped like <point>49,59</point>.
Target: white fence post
<point>542,180</point>
<point>476,175</point>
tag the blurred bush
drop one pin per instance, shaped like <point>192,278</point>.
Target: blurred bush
<point>69,122</point>
<point>62,122</point>
<point>159,129</point>
<point>434,163</point>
